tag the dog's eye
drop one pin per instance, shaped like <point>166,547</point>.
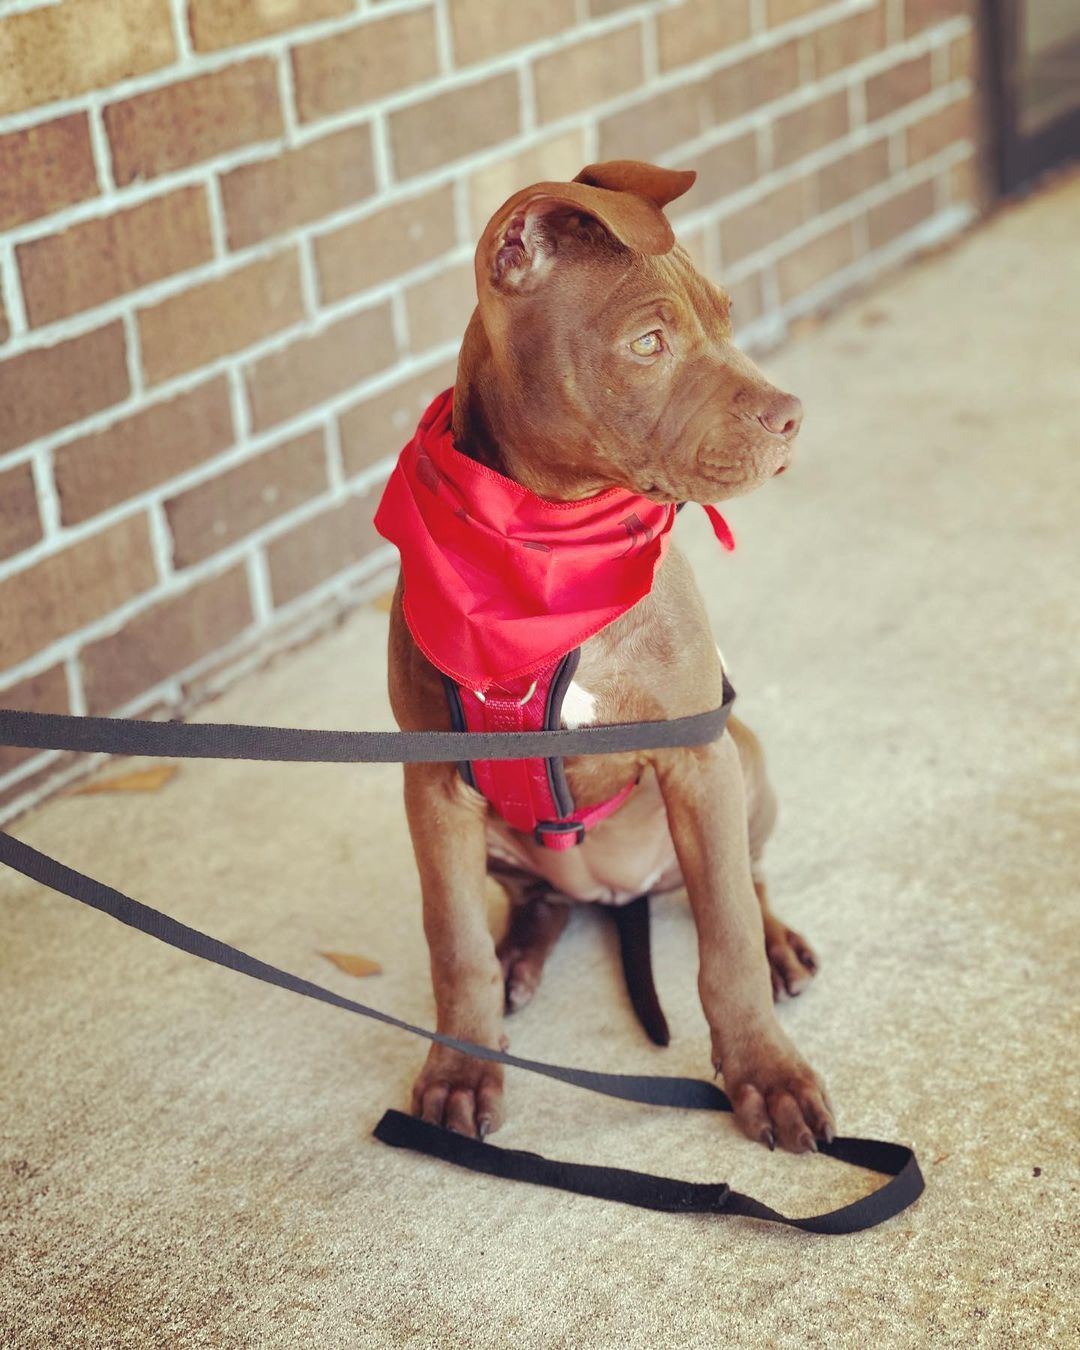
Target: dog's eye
<point>649,344</point>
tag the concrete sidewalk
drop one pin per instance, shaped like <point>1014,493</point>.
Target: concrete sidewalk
<point>185,1156</point>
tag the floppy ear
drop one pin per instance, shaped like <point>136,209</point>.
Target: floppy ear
<point>522,238</point>
<point>657,185</point>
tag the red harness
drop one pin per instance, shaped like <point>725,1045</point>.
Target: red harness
<point>501,588</point>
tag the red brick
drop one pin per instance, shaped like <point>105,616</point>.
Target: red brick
<point>430,134</point>
<point>227,23</point>
<point>901,213</point>
<point>164,640</point>
<point>900,84</point>
<point>848,40</point>
<point>139,452</point>
<point>764,221</point>
<point>321,547</point>
<point>215,318</point>
<point>481,30</point>
<point>846,177</point>
<point>438,309</point>
<point>58,51</point>
<point>350,69</point>
<point>748,85</point>
<point>589,73</point>
<point>689,31</point>
<point>44,169</point>
<point>651,128</point>
<point>553,161</point>
<point>384,244</point>
<point>783,11</point>
<point>44,693</point>
<point>298,186</point>
<point>5,327</point>
<point>20,525</point>
<point>315,368</point>
<point>67,590</point>
<point>810,128</point>
<point>212,515</point>
<point>186,123</point>
<point>721,170</point>
<point>920,14</point>
<point>956,122</point>
<point>95,261</point>
<point>51,387</point>
<point>805,267</point>
<point>381,425</point>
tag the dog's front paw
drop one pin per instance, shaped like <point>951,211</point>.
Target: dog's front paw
<point>462,1093</point>
<point>792,963</point>
<point>779,1099</point>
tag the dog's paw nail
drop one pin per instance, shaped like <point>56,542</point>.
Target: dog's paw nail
<point>483,1129</point>
<point>768,1137</point>
<point>807,1142</point>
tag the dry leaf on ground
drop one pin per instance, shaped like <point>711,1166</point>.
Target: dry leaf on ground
<point>353,965</point>
<point>139,780</point>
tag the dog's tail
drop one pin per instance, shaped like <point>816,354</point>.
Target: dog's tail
<point>632,922</point>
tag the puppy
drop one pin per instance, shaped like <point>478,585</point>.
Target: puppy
<point>599,361</point>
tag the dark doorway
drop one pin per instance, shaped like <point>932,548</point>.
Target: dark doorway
<point>1033,50</point>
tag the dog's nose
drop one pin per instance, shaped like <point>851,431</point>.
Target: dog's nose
<point>782,416</point>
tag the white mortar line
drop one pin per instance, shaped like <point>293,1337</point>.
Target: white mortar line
<point>99,146</point>
<point>161,541</point>
<point>11,290</point>
<point>76,693</point>
<point>650,49</point>
<point>287,94</point>
<point>444,38</point>
<point>133,351</point>
<point>181,35</point>
<point>382,157</point>
<point>309,285</point>
<point>258,577</point>
<point>45,489</point>
<point>526,98</point>
<point>239,404</point>
<point>215,209</point>
<point>335,464</point>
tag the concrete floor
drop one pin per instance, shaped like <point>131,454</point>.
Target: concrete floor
<point>185,1155</point>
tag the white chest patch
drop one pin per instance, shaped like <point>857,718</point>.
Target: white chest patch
<point>579,707</point>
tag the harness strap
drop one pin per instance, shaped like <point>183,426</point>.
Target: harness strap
<point>608,1183</point>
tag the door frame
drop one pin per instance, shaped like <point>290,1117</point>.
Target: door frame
<point>1017,159</point>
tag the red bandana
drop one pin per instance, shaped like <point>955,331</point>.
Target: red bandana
<point>499,581</point>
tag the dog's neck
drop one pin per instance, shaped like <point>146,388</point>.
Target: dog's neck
<point>492,426</point>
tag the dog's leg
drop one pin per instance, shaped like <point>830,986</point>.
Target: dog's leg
<point>776,1095</point>
<point>792,962</point>
<point>536,924</point>
<point>446,820</point>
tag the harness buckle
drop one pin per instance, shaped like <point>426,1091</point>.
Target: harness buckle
<point>547,832</point>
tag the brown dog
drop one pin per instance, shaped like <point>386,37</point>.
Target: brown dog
<point>599,356</point>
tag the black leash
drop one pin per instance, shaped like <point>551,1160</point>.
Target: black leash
<point>200,740</point>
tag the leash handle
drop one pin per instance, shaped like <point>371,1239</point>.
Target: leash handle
<point>635,1188</point>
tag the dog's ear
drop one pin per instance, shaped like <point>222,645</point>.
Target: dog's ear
<point>522,238</point>
<point>650,181</point>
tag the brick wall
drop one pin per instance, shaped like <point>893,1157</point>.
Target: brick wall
<point>235,262</point>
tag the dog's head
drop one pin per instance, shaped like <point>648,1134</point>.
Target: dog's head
<point>618,350</point>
